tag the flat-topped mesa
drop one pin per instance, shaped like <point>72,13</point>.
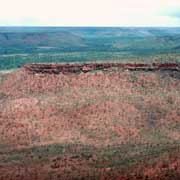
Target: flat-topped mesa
<point>87,67</point>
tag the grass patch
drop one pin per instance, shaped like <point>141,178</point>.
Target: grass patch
<point>123,157</point>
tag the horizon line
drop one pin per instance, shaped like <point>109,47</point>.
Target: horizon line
<point>89,26</point>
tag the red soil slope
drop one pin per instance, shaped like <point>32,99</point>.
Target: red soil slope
<point>124,124</point>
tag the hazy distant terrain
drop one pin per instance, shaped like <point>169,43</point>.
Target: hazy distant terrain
<point>21,45</point>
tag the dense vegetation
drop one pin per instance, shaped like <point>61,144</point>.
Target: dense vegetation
<point>21,45</point>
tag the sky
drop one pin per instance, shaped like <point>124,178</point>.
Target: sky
<point>161,13</point>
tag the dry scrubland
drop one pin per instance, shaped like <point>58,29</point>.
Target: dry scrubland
<point>105,125</point>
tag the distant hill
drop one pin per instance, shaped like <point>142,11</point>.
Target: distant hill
<point>39,39</point>
<point>47,40</point>
<point>64,39</point>
<point>20,45</point>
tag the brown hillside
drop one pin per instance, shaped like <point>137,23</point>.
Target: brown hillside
<point>109,116</point>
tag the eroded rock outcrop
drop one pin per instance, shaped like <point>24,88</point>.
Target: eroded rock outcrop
<point>87,67</point>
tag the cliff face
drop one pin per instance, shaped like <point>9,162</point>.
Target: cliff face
<point>77,68</point>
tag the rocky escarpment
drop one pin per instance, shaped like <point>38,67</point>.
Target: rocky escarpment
<point>77,68</point>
